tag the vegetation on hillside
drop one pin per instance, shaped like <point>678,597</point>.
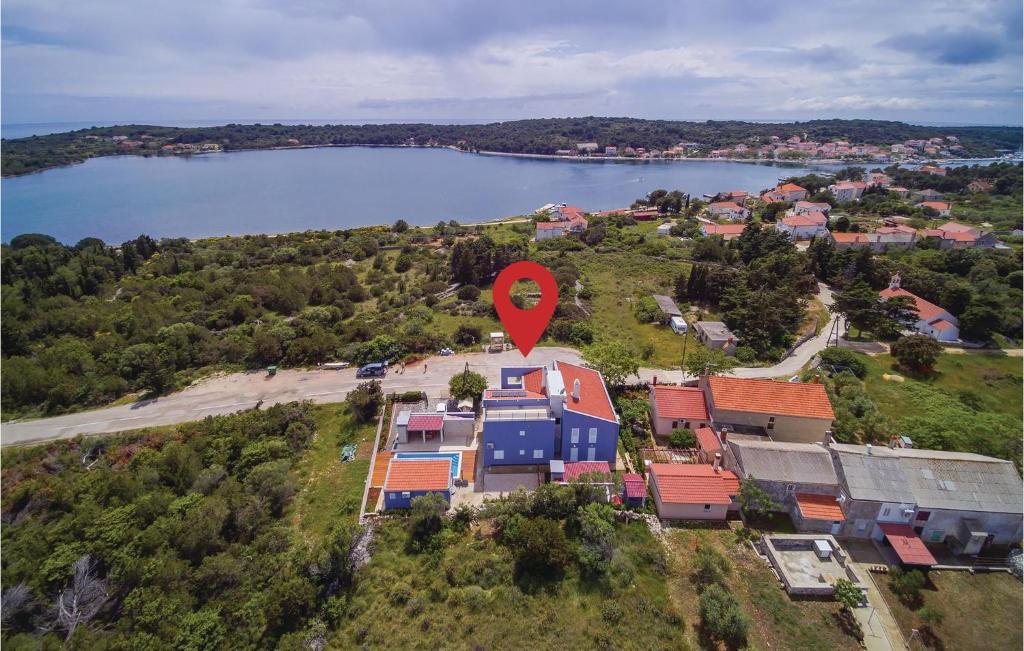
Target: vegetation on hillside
<point>542,136</point>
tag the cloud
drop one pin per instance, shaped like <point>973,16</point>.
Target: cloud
<point>845,102</point>
<point>958,47</point>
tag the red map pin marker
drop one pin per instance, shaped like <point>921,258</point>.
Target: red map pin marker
<point>525,326</point>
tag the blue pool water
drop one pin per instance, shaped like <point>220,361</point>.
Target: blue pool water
<point>455,457</point>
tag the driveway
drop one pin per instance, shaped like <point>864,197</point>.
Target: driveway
<point>227,394</point>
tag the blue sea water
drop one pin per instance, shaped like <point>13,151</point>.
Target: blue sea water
<point>117,198</point>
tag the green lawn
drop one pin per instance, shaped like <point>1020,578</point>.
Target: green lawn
<point>614,279</point>
<point>980,611</point>
<point>778,622</point>
<point>993,380</point>
<point>329,490</point>
<point>464,596</point>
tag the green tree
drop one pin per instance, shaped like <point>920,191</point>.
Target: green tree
<point>860,305</point>
<point>426,519</point>
<point>539,546</point>
<point>467,335</point>
<point>400,226</point>
<point>365,400</point>
<point>848,594</point>
<point>597,535</point>
<point>753,498</point>
<point>917,353</point>
<point>614,360</point>
<point>705,361</point>
<point>721,616</point>
<point>467,385</point>
<point>682,439</point>
<point>896,314</point>
<point>647,310</point>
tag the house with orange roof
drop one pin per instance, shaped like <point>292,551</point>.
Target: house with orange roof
<point>728,210</point>
<point>540,414</point>
<point>785,192</point>
<point>408,479</point>
<point>952,235</point>
<point>932,169</point>
<point>783,411</point>
<point>800,478</point>
<point>803,226</point>
<point>801,207</point>
<point>885,237</point>
<point>693,491</point>
<point>564,219</point>
<point>725,231</point>
<point>940,207</point>
<point>932,320</point>
<point>675,408</point>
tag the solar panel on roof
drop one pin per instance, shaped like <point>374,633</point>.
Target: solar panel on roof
<point>508,393</point>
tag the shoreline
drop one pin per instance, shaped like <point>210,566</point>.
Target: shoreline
<point>802,162</point>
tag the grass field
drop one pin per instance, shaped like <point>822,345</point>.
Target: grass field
<point>464,596</point>
<point>329,490</point>
<point>778,622</point>
<point>993,381</point>
<point>980,611</point>
<point>617,280</point>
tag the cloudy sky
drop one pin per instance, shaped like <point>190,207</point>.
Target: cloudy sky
<point>933,61</point>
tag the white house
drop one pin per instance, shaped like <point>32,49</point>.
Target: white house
<point>846,191</point>
<point>803,207</point>
<point>728,210</point>
<point>803,226</point>
<point>933,320</point>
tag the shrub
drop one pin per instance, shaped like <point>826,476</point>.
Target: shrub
<point>682,439</point>
<point>710,566</point>
<point>467,335</point>
<point>916,352</point>
<point>907,584</point>
<point>844,359</point>
<point>411,396</point>
<point>721,616</point>
<point>647,310</point>
<point>364,401</point>
<point>427,519</point>
<point>468,293</point>
<point>746,355</point>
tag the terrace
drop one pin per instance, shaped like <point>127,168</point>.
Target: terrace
<point>808,564</point>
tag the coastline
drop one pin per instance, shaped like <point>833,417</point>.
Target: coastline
<point>802,162</point>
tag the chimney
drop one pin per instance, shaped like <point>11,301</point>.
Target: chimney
<point>576,389</point>
<point>718,462</point>
<point>654,382</point>
<point>723,434</point>
<point>868,449</point>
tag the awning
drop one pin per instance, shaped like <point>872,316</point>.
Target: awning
<point>425,423</point>
<point>820,507</point>
<point>907,545</point>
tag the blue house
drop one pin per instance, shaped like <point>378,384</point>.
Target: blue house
<point>540,413</point>
<point>409,478</point>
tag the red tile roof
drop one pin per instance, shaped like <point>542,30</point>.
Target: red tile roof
<point>769,397</point>
<point>940,324</point>
<point>548,226</point>
<point>425,422</point>
<point>799,220</point>
<point>534,381</point>
<point>726,205</point>
<point>692,483</point>
<point>707,440</point>
<point>724,229</point>
<point>954,227</point>
<point>820,507</point>
<point>680,403</point>
<point>635,486</point>
<point>594,399</point>
<point>419,475</point>
<point>936,205</point>
<point>575,469</point>
<point>849,238</point>
<point>790,187</point>
<point>927,311</point>
<point>906,544</point>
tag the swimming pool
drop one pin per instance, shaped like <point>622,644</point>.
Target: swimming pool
<point>454,457</point>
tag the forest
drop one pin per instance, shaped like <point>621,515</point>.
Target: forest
<point>539,136</point>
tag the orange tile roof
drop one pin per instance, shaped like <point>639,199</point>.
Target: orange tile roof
<point>954,227</point>
<point>849,238</point>
<point>820,507</point>
<point>769,397</point>
<point>380,468</point>
<point>594,399</point>
<point>707,440</point>
<point>725,205</point>
<point>927,311</point>
<point>684,403</point>
<point>936,205</point>
<point>799,220</point>
<point>534,381</point>
<point>790,187</point>
<point>468,467</point>
<point>940,324</point>
<point>724,229</point>
<point>419,475</point>
<point>694,483</point>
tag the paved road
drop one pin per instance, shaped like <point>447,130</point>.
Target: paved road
<point>229,393</point>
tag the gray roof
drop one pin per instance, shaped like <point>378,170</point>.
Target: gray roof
<point>667,305</point>
<point>932,479</point>
<point>715,329</point>
<point>803,463</point>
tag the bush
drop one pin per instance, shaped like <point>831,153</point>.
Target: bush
<point>427,519</point>
<point>916,352</point>
<point>468,293</point>
<point>721,616</point>
<point>844,359</point>
<point>682,439</point>
<point>467,335</point>
<point>907,584</point>
<point>647,310</point>
<point>710,567</point>
<point>411,396</point>
<point>745,355</point>
<point>364,401</point>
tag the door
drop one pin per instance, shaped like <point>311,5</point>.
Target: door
<point>574,454</point>
<point>591,454</point>
<point>837,526</point>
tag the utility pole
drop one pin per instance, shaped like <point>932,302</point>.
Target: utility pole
<point>686,339</point>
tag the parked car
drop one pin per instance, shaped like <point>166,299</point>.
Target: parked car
<point>376,369</point>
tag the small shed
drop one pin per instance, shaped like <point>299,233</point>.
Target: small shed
<point>401,426</point>
<point>634,490</point>
<point>665,229</point>
<point>426,426</point>
<point>668,306</point>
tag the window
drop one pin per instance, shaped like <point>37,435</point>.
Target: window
<point>790,488</point>
<point>771,423</point>
<point>707,507</point>
<point>522,432</point>
<point>675,424</point>
<point>522,452</point>
<point>922,516</point>
<point>394,496</point>
<point>592,435</point>
<point>885,512</point>
<point>686,425</point>
<point>574,436</point>
<point>516,379</point>
<point>538,454</point>
<point>499,454</point>
<point>406,493</point>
